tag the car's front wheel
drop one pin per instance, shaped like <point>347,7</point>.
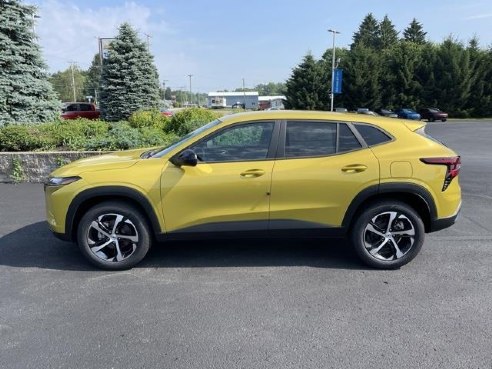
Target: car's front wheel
<point>113,235</point>
<point>387,235</point>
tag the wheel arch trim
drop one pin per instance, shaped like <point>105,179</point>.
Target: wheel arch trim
<point>391,189</point>
<point>107,193</point>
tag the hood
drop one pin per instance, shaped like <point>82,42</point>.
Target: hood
<point>115,160</point>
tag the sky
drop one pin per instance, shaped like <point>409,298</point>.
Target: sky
<point>220,42</point>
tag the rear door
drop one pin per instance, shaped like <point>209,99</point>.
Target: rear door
<point>321,167</point>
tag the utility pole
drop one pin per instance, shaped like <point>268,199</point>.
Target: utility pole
<point>191,96</point>
<point>73,81</point>
<point>148,40</point>
<point>244,95</point>
<point>332,94</point>
<point>164,88</point>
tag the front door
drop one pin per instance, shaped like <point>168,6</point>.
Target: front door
<point>229,188</point>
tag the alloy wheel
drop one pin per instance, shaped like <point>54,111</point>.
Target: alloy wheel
<point>389,236</point>
<point>112,237</point>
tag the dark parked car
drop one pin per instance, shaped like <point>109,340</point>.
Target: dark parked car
<point>406,113</point>
<point>387,113</point>
<point>239,105</point>
<point>80,110</point>
<point>432,114</point>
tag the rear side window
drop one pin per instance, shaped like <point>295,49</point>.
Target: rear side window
<point>346,139</point>
<point>310,139</point>
<point>85,107</point>
<point>372,135</point>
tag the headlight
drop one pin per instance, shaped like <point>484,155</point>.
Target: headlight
<point>61,181</point>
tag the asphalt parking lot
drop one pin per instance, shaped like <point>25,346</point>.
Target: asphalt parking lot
<point>253,304</point>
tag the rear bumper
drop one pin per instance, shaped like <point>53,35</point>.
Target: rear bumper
<point>439,224</point>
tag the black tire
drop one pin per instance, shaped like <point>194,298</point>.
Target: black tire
<point>443,119</point>
<point>431,119</point>
<point>131,233</point>
<point>405,220</point>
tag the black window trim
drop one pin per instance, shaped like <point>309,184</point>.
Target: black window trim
<point>359,136</point>
<point>272,148</point>
<point>283,134</point>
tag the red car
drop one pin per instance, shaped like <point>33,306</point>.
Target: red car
<point>80,110</point>
<point>432,114</point>
<point>167,113</point>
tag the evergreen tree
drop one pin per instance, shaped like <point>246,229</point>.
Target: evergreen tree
<point>362,78</point>
<point>404,59</point>
<point>480,100</point>
<point>368,33</point>
<point>168,94</point>
<point>129,80</point>
<point>25,93</point>
<point>425,74</point>
<point>414,32</point>
<point>387,34</point>
<point>304,86</point>
<point>63,84</point>
<point>453,76</point>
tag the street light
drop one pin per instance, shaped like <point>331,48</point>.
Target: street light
<point>332,95</point>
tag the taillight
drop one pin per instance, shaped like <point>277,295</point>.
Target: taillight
<point>453,163</point>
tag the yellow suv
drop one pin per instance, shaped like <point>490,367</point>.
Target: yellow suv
<point>381,182</point>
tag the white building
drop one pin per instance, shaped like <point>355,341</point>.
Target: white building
<point>272,102</point>
<point>232,99</point>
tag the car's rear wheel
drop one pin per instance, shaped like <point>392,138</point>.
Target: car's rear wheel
<point>431,118</point>
<point>443,119</point>
<point>387,235</point>
<point>113,236</point>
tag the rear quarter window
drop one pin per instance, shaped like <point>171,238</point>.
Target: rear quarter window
<point>372,135</point>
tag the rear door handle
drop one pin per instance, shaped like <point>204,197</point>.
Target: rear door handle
<point>252,173</point>
<point>354,168</point>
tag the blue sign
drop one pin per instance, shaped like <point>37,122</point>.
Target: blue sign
<point>337,81</point>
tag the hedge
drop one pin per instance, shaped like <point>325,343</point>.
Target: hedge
<point>143,129</point>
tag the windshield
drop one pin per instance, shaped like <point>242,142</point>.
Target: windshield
<point>163,151</point>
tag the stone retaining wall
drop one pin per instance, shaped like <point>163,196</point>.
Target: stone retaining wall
<point>35,166</point>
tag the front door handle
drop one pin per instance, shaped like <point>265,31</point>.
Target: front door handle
<point>252,173</point>
<point>354,168</point>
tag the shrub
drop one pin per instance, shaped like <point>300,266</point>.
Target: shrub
<point>187,120</point>
<point>23,138</point>
<point>74,134</point>
<point>148,119</point>
<point>122,136</point>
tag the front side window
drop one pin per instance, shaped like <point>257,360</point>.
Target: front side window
<point>244,142</point>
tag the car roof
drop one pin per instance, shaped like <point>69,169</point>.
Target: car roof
<point>383,122</point>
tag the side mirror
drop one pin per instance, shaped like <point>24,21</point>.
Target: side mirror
<point>187,158</point>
